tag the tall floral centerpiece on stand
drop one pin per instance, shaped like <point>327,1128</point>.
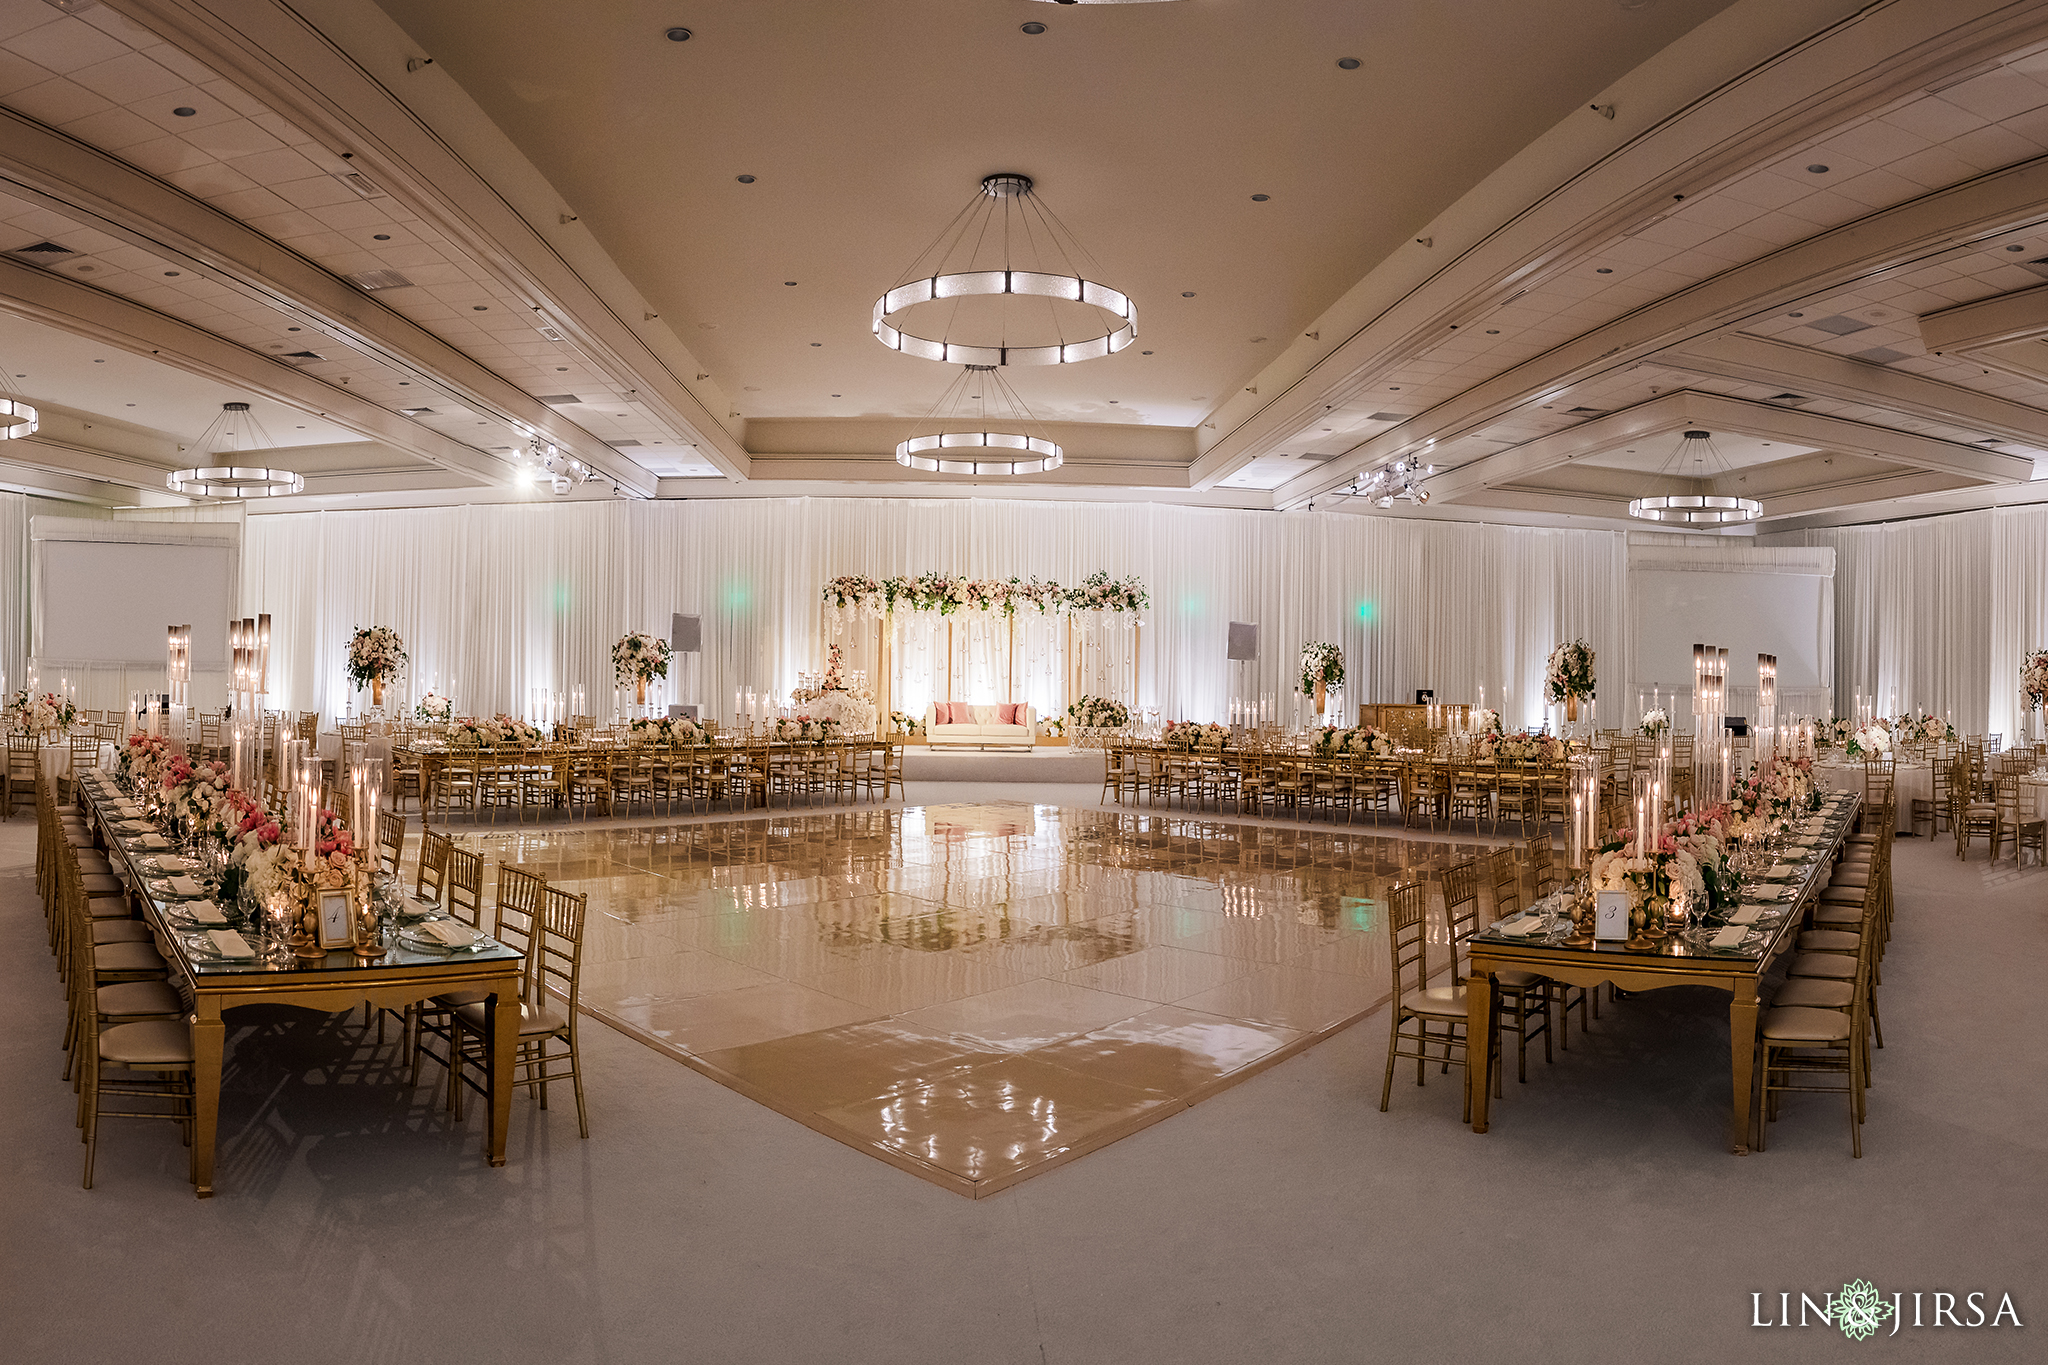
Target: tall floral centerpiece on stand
<point>375,654</point>
<point>2033,687</point>
<point>639,659</point>
<point>1656,724</point>
<point>1322,667</point>
<point>1568,676</point>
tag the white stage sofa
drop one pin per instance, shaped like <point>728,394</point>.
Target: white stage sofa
<point>1003,725</point>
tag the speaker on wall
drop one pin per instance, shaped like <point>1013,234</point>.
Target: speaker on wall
<point>1244,641</point>
<point>687,634</point>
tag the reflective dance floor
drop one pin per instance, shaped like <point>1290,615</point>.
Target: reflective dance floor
<point>976,993</point>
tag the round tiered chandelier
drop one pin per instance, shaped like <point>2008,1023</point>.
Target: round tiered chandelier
<point>234,431</point>
<point>1022,291</point>
<point>1006,244</point>
<point>1695,459</point>
<point>962,452</point>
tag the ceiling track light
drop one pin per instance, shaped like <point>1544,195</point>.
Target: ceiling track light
<point>1397,481</point>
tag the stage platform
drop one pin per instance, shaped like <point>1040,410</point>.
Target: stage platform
<point>1049,764</point>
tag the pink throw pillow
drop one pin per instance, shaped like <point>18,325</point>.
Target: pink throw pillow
<point>1012,712</point>
<point>948,713</point>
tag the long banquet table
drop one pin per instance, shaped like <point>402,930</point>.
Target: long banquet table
<point>336,983</point>
<point>1739,971</point>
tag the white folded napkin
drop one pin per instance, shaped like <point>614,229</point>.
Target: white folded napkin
<point>1768,893</point>
<point>129,809</point>
<point>1731,937</point>
<point>154,841</point>
<point>185,886</point>
<point>174,864</point>
<point>1781,870</point>
<point>448,933</point>
<point>1746,915</point>
<point>229,943</point>
<point>206,912</point>
<point>1521,928</point>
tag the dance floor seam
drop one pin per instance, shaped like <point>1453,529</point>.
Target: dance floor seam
<point>978,993</point>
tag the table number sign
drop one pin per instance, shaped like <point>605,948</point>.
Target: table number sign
<point>1610,915</point>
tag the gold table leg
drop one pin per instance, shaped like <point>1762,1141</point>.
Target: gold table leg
<point>209,1038</point>
<point>1742,1008</point>
<point>503,1018</point>
<point>1479,1043</point>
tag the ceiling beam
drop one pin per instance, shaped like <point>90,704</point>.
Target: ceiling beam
<point>1887,243</point>
<point>44,166</point>
<point>1767,108</point>
<point>1819,374</point>
<point>305,73</point>
<point>62,302</point>
<point>1672,412</point>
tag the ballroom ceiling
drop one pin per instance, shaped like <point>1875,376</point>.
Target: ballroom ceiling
<point>1520,246</point>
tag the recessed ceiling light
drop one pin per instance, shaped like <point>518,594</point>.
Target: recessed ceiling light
<point>381,237</point>
<point>99,362</point>
<point>677,35</point>
<point>744,179</point>
<point>1256,340</point>
<point>172,274</point>
<point>131,405</point>
<point>1817,169</point>
<point>291,329</point>
<point>835,395</point>
<point>561,369</point>
<point>1604,270</point>
<point>1493,331</point>
<point>1795,315</point>
<point>184,111</point>
<point>479,308</point>
<point>1347,63</point>
<point>2015,247</point>
<point>1034,28</point>
<point>405,383</point>
<point>1113,400</point>
<point>817,343</point>
<point>1187,293</point>
<point>1260,198</point>
<point>790,283</point>
<point>1144,353</point>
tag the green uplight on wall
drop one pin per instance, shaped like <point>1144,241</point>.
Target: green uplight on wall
<point>565,598</point>
<point>736,596</point>
<point>1365,612</point>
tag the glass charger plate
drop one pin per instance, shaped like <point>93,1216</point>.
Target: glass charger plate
<point>201,946</point>
<point>412,939</point>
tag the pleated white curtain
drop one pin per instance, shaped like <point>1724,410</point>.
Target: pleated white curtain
<point>495,602</point>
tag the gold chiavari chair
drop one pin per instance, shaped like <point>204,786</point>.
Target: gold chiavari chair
<point>1427,791</point>
<point>1525,993</point>
<point>1379,788</point>
<point>1816,1028</point>
<point>127,1058</point>
<point>892,772</point>
<point>408,777</point>
<point>1471,793</point>
<point>18,781</point>
<point>554,958</point>
<point>1521,795</point>
<point>1972,814</point>
<point>455,782</point>
<point>390,840</point>
<point>85,756</point>
<point>544,780</point>
<point>517,905</point>
<point>432,872</point>
<point>1543,864</point>
<point>1417,1005</point>
<point>1523,996</point>
<point>589,780</point>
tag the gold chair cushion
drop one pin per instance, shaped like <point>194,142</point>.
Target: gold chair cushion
<point>127,957</point>
<point>139,998</point>
<point>457,999</point>
<point>535,1022</point>
<point>1850,880</point>
<point>149,1043</point>
<point>1833,966</point>
<point>1842,895</point>
<point>1834,916</point>
<point>1795,1024</point>
<point>1813,992</point>
<point>98,884</point>
<point>1829,941</point>
<point>121,931</point>
<point>1438,1002</point>
<point>1518,981</point>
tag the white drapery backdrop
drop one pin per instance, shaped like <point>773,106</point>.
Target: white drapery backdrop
<point>1939,612</point>
<point>504,600</point>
